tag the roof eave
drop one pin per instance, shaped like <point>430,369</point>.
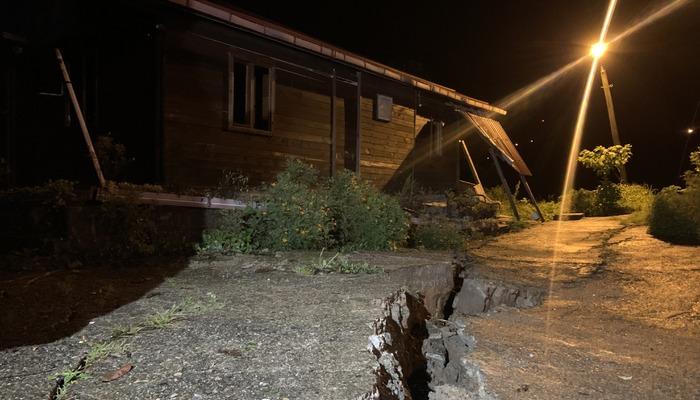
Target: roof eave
<point>299,40</point>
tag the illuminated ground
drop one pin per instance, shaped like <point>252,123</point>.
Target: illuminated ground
<point>625,316</point>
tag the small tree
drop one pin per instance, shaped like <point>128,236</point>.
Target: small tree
<point>605,161</point>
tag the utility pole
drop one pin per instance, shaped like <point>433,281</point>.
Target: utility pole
<point>611,116</point>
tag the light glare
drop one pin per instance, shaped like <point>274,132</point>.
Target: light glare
<point>598,49</point>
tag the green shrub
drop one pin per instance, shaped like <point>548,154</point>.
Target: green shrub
<point>675,213</point>
<point>674,218</point>
<point>302,212</point>
<point>637,200</point>
<point>297,216</point>
<point>238,231</point>
<point>607,197</point>
<point>438,236</point>
<point>363,217</point>
<point>604,200</point>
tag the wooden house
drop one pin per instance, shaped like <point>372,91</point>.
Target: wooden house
<point>193,88</point>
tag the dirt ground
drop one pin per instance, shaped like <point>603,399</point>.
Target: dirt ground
<point>622,320</point>
<point>244,327</point>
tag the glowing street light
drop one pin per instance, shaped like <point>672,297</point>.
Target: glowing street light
<point>598,49</point>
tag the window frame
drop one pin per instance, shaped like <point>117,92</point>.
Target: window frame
<point>249,125</point>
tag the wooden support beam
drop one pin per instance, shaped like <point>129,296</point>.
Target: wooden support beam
<point>358,133</point>
<point>532,197</point>
<point>81,119</point>
<point>479,188</point>
<point>504,183</point>
<point>333,130</point>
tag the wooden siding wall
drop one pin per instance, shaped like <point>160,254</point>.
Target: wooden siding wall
<point>198,146</point>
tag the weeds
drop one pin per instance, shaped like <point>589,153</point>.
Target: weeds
<point>125,331</point>
<point>336,264</point>
<point>101,350</point>
<point>64,380</point>
<point>250,346</point>
<point>163,319</point>
<point>166,318</point>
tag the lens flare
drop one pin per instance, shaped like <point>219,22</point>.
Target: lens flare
<point>598,49</point>
<point>655,15</point>
<point>571,167</point>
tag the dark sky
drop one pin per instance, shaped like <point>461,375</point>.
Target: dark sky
<point>488,49</point>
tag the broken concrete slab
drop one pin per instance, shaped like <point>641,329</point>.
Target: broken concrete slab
<point>478,296</point>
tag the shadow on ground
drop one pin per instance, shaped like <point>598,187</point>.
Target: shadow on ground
<point>44,299</point>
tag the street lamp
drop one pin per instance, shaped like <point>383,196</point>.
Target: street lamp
<point>689,133</point>
<point>598,49</point>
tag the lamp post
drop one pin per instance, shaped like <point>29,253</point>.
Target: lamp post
<point>597,51</point>
<point>689,133</point>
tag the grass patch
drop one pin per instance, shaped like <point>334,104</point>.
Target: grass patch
<point>126,330</point>
<point>336,264</point>
<point>166,318</point>
<point>249,346</point>
<point>102,350</point>
<point>68,377</point>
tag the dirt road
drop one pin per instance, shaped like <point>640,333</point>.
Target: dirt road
<point>622,320</point>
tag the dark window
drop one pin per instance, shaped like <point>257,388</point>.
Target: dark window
<point>240,89</point>
<point>251,96</point>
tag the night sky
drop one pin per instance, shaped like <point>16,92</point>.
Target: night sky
<point>487,49</point>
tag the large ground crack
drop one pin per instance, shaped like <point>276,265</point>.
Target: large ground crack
<point>424,358</point>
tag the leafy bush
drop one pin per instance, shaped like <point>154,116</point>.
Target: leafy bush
<point>302,212</point>
<point>238,231</point>
<point>297,216</point>
<point>438,236</point>
<point>675,213</point>
<point>604,161</point>
<point>363,217</point>
<point>673,218</point>
<point>607,197</point>
<point>637,200</point>
<point>604,200</point>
